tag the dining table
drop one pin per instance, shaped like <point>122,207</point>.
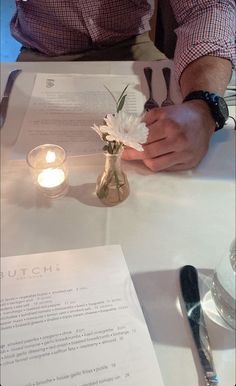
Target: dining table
<point>169,220</point>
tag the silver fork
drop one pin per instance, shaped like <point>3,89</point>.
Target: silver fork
<point>150,102</point>
<point>168,101</point>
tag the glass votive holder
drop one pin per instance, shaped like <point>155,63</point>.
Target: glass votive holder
<point>49,169</point>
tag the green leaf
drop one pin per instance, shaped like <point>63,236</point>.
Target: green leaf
<point>121,103</point>
<point>121,95</point>
<point>121,100</point>
<point>113,97</point>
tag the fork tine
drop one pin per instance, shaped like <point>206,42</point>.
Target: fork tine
<point>150,104</point>
<point>167,102</point>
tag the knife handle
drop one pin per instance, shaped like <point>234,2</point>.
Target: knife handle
<point>3,110</point>
<point>191,296</point>
<point>189,284</point>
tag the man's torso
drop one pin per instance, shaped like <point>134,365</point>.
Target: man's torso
<point>70,26</point>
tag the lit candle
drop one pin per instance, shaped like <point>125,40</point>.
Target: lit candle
<point>51,178</point>
<point>48,166</point>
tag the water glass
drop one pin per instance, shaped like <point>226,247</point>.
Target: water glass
<point>223,286</point>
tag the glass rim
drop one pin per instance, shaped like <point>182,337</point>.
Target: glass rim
<point>45,145</point>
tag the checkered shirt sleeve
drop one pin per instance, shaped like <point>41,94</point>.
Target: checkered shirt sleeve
<point>205,27</point>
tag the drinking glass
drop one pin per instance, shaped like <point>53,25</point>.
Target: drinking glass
<point>223,286</point>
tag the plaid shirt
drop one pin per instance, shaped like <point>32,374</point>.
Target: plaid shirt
<point>205,27</point>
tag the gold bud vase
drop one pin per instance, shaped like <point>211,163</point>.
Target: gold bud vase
<point>112,185</point>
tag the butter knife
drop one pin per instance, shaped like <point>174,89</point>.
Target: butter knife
<point>191,296</point>
<point>5,99</point>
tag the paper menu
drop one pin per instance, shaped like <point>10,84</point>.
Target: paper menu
<point>63,108</point>
<point>73,318</point>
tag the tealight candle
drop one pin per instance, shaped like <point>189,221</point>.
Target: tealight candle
<point>48,166</point>
<point>51,178</point>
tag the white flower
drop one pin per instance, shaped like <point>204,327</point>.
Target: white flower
<point>98,130</point>
<point>124,128</point>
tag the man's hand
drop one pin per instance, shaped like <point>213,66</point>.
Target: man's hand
<point>178,137</point>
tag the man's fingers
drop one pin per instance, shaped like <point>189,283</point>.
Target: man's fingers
<point>150,150</point>
<point>163,128</point>
<point>130,154</point>
<point>172,161</point>
<point>189,163</point>
<point>155,149</point>
<point>159,148</point>
<point>167,161</point>
<point>157,131</point>
<point>178,167</point>
<point>152,116</point>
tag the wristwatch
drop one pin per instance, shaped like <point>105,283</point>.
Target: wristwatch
<point>216,103</point>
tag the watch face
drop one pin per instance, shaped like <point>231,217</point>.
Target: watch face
<point>223,108</point>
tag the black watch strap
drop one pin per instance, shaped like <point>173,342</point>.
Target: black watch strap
<point>216,103</point>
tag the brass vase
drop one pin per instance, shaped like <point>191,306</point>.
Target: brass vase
<point>112,184</point>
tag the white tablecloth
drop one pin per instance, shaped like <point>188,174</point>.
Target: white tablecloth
<point>169,220</point>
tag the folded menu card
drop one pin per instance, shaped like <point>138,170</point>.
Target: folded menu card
<point>72,318</point>
<point>63,107</point>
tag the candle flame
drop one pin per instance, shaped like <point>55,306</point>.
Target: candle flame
<point>50,156</point>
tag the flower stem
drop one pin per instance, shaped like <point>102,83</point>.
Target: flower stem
<point>117,184</point>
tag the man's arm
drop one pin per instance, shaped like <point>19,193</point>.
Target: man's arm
<point>206,73</point>
<point>179,135</point>
<point>205,28</point>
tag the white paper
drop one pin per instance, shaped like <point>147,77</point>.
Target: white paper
<point>72,318</point>
<point>63,108</point>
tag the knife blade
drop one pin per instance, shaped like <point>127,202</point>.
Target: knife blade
<point>191,296</point>
<point>6,95</point>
